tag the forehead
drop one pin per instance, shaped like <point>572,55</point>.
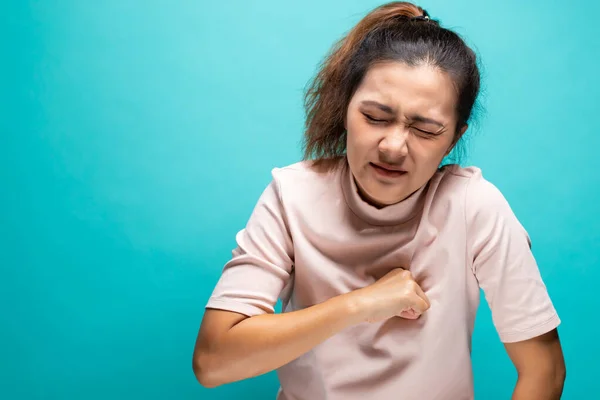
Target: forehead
<point>421,88</point>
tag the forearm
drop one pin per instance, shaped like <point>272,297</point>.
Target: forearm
<point>538,386</point>
<point>263,343</point>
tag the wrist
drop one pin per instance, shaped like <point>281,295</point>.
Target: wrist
<point>356,306</point>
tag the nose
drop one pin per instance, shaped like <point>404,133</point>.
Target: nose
<point>394,145</point>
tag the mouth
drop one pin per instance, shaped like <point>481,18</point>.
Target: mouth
<point>388,170</point>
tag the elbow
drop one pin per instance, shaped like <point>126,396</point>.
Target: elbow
<point>553,379</point>
<point>548,379</point>
<point>560,376</point>
<point>204,370</point>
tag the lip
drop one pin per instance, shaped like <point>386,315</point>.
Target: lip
<point>389,167</point>
<point>387,170</point>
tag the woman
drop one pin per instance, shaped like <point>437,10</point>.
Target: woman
<point>376,252</point>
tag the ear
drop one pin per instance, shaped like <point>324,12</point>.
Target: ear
<point>457,138</point>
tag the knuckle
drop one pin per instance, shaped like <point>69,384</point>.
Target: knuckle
<point>405,273</point>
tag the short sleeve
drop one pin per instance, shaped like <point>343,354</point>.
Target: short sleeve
<point>505,267</point>
<point>261,264</point>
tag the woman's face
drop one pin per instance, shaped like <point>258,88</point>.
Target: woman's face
<point>400,124</point>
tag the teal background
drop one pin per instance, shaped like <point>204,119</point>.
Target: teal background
<point>136,136</point>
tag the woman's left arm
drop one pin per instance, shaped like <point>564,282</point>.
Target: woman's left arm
<point>522,311</point>
<point>540,366</point>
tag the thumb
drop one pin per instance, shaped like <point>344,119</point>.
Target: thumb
<point>420,304</point>
<point>423,296</point>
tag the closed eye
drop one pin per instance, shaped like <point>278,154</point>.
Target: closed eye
<point>425,132</point>
<point>372,120</point>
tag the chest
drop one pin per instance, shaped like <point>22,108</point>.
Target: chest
<point>328,263</point>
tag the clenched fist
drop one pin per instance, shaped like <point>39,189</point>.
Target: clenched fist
<point>394,295</point>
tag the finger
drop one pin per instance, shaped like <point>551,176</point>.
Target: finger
<point>422,295</point>
<point>419,304</point>
<point>409,314</point>
<point>405,273</point>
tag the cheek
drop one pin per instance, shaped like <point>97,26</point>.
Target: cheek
<point>353,152</point>
<point>428,154</point>
<point>359,138</point>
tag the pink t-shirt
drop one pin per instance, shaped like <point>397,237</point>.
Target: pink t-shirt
<point>312,237</point>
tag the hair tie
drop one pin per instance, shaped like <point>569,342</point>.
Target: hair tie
<point>424,17</point>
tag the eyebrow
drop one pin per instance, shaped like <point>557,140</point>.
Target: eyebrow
<point>419,118</point>
<point>382,107</point>
<point>390,110</point>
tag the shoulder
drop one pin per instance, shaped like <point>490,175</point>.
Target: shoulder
<point>470,184</point>
<point>306,177</point>
<point>307,170</point>
<point>290,187</point>
<point>482,202</point>
<point>487,210</point>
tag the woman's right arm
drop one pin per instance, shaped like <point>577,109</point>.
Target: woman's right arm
<point>241,336</point>
<point>231,347</point>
